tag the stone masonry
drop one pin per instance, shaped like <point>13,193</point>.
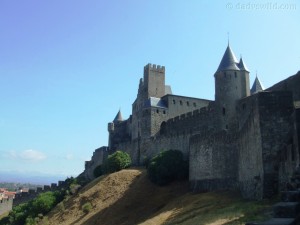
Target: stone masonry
<point>246,141</point>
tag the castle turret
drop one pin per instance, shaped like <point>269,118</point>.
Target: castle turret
<point>111,127</point>
<point>118,117</point>
<point>257,86</point>
<point>231,84</point>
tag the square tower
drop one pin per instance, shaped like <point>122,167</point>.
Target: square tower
<point>154,80</point>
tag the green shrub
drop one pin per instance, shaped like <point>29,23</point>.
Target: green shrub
<point>98,171</point>
<point>82,180</point>
<point>146,161</point>
<point>116,162</point>
<point>70,180</point>
<point>167,166</point>
<point>87,207</point>
<point>19,214</point>
<point>30,221</point>
<point>43,203</point>
<point>74,188</point>
<point>32,212</point>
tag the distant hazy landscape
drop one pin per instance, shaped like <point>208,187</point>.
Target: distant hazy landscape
<point>33,178</point>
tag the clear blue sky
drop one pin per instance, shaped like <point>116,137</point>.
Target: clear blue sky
<point>66,67</point>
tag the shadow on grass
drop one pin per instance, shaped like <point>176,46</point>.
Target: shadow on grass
<point>221,208</point>
<point>147,203</point>
<point>142,201</point>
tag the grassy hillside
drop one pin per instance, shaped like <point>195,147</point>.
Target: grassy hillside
<point>128,197</point>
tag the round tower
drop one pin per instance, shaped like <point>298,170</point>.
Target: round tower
<point>231,84</point>
<point>112,126</point>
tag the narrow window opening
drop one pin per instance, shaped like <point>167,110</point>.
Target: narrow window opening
<point>187,103</point>
<point>286,154</point>
<point>224,111</point>
<point>157,111</point>
<point>164,112</point>
<point>194,104</point>
<point>180,102</point>
<point>235,75</point>
<point>173,101</point>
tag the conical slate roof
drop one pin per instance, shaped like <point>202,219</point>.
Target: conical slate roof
<point>229,61</point>
<point>118,117</point>
<point>242,65</point>
<point>257,86</point>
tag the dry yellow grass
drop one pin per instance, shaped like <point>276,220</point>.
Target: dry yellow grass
<point>128,197</point>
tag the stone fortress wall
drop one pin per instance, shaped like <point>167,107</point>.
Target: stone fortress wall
<point>248,158</point>
<point>239,141</point>
<point>173,133</point>
<point>22,197</point>
<point>5,205</point>
<point>97,159</point>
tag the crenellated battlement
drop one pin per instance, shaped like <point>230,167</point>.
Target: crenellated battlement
<point>22,197</point>
<point>154,67</point>
<point>190,123</point>
<point>196,113</point>
<point>228,141</point>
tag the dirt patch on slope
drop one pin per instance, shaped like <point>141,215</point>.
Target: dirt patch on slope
<point>125,197</point>
<point>128,198</point>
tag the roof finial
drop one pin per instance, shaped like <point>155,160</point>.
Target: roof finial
<point>228,38</point>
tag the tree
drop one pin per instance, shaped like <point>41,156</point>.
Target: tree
<point>98,171</point>
<point>167,166</point>
<point>116,162</point>
<point>43,203</point>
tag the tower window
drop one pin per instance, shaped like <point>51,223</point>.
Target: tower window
<point>187,103</point>
<point>235,75</point>
<point>244,106</point>
<point>225,74</point>
<point>157,111</point>
<point>224,111</point>
<point>164,112</point>
<point>174,101</point>
<point>180,102</point>
<point>293,154</point>
<point>194,104</point>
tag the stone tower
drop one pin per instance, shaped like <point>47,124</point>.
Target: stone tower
<point>111,128</point>
<point>152,85</point>
<point>231,84</point>
<point>154,80</point>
